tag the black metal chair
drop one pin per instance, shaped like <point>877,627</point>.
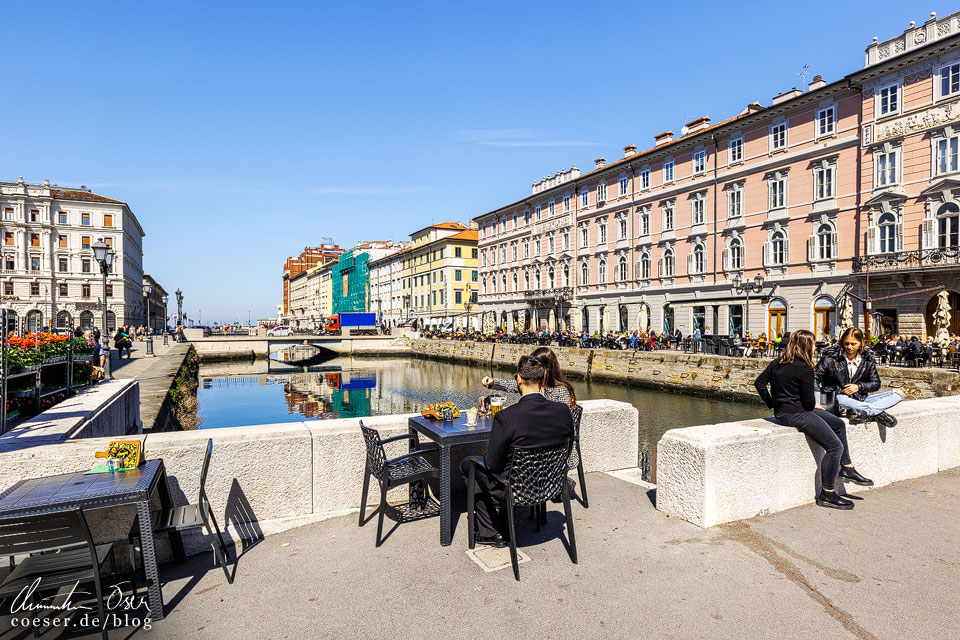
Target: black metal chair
<point>575,461</point>
<point>185,518</point>
<point>76,559</point>
<point>391,472</point>
<point>533,476</point>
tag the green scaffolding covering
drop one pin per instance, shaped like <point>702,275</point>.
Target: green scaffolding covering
<point>350,283</point>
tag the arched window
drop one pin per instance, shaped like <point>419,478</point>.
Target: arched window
<point>778,243</point>
<point>584,273</point>
<point>623,317</point>
<point>526,280</point>
<point>736,254</point>
<point>602,271</point>
<point>777,311</point>
<point>64,321</point>
<point>566,275</point>
<point>888,233</point>
<point>503,279</point>
<point>645,266</point>
<point>669,263</point>
<point>667,319</point>
<point>948,225</point>
<point>585,320</point>
<point>493,281</point>
<point>536,278</point>
<point>825,242</point>
<point>824,317</point>
<point>34,321</point>
<point>551,277</point>
<point>516,281</point>
<point>699,259</point>
<point>622,270</point>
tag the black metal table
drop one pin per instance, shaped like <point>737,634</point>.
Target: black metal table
<point>447,435</point>
<point>98,491</point>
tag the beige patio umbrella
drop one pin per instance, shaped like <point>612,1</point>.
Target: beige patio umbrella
<point>941,319</point>
<point>644,319</point>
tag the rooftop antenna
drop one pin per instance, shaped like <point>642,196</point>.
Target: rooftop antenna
<point>804,70</point>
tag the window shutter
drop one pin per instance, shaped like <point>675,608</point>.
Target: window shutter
<point>786,251</point>
<point>660,267</point>
<point>834,246</point>
<point>872,234</point>
<point>767,253</point>
<point>900,237</point>
<point>690,268</point>
<point>812,248</point>
<point>726,259</point>
<point>929,239</point>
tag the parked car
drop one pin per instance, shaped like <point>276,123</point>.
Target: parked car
<point>280,332</point>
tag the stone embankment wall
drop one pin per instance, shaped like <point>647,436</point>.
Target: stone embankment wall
<point>678,371</point>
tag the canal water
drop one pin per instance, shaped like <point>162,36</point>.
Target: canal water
<point>273,391</point>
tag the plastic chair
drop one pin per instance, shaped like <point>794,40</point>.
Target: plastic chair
<point>185,518</point>
<point>391,472</point>
<point>575,461</point>
<point>77,559</point>
<point>533,476</point>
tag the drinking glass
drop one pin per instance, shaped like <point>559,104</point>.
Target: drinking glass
<point>496,404</point>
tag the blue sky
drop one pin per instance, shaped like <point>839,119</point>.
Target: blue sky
<point>241,132</point>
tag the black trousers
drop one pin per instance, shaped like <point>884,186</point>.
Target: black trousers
<point>828,431</point>
<point>490,493</point>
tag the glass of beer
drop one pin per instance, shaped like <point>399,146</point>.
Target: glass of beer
<point>496,404</point>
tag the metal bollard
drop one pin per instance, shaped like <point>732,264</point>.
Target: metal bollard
<point>165,339</point>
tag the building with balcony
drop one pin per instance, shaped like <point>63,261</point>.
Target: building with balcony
<point>824,192</point>
<point>440,276</point>
<point>50,277</point>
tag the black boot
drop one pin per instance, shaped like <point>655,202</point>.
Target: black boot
<point>850,473</point>
<point>834,501</point>
<point>884,419</point>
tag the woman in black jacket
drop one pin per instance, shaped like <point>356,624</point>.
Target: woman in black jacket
<point>791,396</point>
<point>850,371</point>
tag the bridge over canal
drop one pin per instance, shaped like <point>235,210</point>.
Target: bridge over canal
<point>216,347</point>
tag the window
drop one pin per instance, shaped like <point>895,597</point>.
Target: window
<point>601,192</point>
<point>550,208</point>
<point>513,251</point>
<point>473,297</point>
<point>62,217</point>
<point>888,100</point>
<point>34,263</point>
<point>62,242</point>
<point>536,212</point>
<point>536,278</point>
<point>669,266</point>
<point>645,266</point>
<point>698,205</point>
<point>566,204</point>
<point>645,221</point>
<point>950,80</point>
<point>888,233</point>
<point>602,271</point>
<point>584,273</point>
<point>526,280</point>
<point>34,288</point>
<point>668,167</point>
<point>778,188</point>
<point>947,154</point>
<point>34,215</point>
<point>8,238</point>
<point>823,182</point>
<point>602,231</point>
<point>622,227</point>
<point>107,220</point>
<point>503,253</point>
<point>62,289</point>
<point>623,187</point>
<point>699,161</point>
<point>9,264</point>
<point>8,288</point>
<point>645,179</point>
<point>566,239</point>
<point>825,242</point>
<point>584,236</point>
<point>778,136</point>
<point>85,219</point>
<point>698,264</point>
<point>458,297</point>
<point>551,277</point>
<point>536,246</point>
<point>483,259</point>
<point>622,274</point>
<point>736,150</point>
<point>85,242</point>
<point>526,249</point>
<point>584,198</point>
<point>735,259</point>
<point>948,219</point>
<point>8,213</point>
<point>473,253</point>
<point>457,275</point>
<point>34,239</point>
<point>735,201</point>
<point>775,251</point>
<point>434,298</point>
<point>85,266</point>
<point>457,252</point>
<point>668,216</point>
<point>886,168</point>
<point>826,122</point>
<point>526,217</point>
<point>551,248</point>
<point>515,220</point>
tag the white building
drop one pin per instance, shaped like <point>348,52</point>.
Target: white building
<point>386,288</point>
<point>49,274</point>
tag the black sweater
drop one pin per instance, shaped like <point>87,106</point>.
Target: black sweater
<point>791,386</point>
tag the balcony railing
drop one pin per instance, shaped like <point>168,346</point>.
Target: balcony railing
<point>548,295</point>
<point>905,260</point>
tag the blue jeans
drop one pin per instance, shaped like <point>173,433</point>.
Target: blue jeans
<point>877,403</point>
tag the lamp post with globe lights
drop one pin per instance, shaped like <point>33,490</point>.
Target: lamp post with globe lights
<point>165,337</point>
<point>747,287</point>
<point>147,289</point>
<point>103,254</point>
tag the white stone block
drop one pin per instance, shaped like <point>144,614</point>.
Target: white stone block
<point>609,435</point>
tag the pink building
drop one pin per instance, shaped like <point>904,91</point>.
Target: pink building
<point>797,193</point>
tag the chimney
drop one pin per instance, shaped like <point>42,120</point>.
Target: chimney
<point>661,138</point>
<point>696,125</point>
<point>753,107</point>
<point>816,83</point>
<point>629,150</point>
<point>786,95</point>
<point>600,162</point>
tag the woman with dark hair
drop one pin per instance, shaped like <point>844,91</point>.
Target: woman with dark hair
<point>556,387</point>
<point>850,371</point>
<point>791,396</point>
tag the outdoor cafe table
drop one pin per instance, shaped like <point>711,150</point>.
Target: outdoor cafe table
<point>97,491</point>
<point>447,435</point>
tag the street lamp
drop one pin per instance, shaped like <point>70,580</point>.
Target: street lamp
<point>557,306</point>
<point>179,295</point>
<point>468,305</point>
<point>103,254</point>
<point>147,289</point>
<point>164,299</point>
<point>747,287</point>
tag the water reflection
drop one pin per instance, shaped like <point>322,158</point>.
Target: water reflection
<point>276,390</point>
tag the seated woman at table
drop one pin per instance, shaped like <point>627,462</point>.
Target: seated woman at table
<point>850,371</point>
<point>555,385</point>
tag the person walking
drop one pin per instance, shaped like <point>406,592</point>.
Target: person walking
<point>792,397</point>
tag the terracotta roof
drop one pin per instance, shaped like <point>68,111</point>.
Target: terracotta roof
<point>469,235</point>
<point>85,196</point>
<point>447,225</point>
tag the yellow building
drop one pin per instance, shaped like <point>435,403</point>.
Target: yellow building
<point>440,276</point>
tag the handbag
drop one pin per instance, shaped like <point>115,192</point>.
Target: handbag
<point>828,400</point>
